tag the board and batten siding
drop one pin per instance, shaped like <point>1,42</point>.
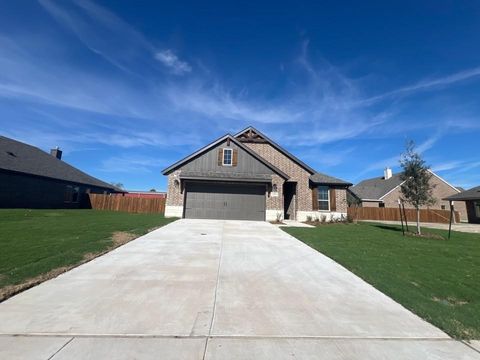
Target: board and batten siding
<point>246,163</point>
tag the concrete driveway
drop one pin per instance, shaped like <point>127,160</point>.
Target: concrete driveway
<point>206,289</point>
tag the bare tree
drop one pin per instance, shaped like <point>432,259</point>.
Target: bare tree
<point>416,189</point>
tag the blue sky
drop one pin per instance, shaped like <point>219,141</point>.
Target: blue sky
<point>126,88</point>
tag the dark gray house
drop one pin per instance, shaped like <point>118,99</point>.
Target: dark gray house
<point>32,178</point>
<point>471,198</point>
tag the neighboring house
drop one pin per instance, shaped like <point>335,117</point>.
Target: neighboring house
<point>470,199</point>
<point>32,178</point>
<point>249,177</point>
<point>385,192</point>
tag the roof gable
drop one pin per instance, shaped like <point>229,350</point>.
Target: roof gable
<point>250,134</point>
<point>23,158</point>
<point>201,152</point>
<point>376,188</point>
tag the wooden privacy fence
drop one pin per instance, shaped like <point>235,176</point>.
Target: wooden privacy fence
<point>393,214</point>
<point>128,204</point>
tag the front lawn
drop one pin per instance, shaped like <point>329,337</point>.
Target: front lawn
<point>439,280</point>
<point>38,244</point>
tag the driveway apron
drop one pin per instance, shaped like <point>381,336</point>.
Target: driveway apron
<point>212,289</point>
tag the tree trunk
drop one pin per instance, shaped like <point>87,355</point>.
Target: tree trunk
<point>418,222</point>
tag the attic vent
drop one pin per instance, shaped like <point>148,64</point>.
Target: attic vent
<point>11,154</point>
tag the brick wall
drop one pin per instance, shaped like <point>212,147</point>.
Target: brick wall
<point>276,202</point>
<point>341,200</point>
<point>174,196</point>
<point>292,169</point>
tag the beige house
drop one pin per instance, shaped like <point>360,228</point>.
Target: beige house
<point>385,192</point>
<point>248,176</point>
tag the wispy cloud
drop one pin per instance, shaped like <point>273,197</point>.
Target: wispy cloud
<point>424,85</point>
<point>104,33</point>
<point>172,62</point>
<point>132,164</point>
<point>393,161</point>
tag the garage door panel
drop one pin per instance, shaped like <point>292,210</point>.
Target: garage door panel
<point>225,201</point>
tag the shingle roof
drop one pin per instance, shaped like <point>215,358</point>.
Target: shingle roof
<point>319,178</point>
<point>376,188</point>
<point>471,194</point>
<point>209,175</point>
<point>27,159</point>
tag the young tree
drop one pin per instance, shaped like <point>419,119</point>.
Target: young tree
<point>416,189</point>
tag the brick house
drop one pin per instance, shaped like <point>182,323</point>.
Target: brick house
<point>247,176</point>
<point>385,191</point>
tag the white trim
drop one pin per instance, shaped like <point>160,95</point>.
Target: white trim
<point>328,200</point>
<point>392,190</point>
<point>439,177</point>
<point>173,211</point>
<point>271,215</point>
<point>431,172</point>
<point>223,156</point>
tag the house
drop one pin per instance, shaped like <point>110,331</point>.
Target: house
<point>32,178</point>
<point>471,200</point>
<point>247,176</point>
<point>385,191</point>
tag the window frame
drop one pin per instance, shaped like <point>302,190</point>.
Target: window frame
<point>476,205</point>
<point>319,188</point>
<point>231,157</point>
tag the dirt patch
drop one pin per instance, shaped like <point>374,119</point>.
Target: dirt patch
<point>122,237</point>
<point>425,236</point>
<point>118,238</point>
<point>450,301</point>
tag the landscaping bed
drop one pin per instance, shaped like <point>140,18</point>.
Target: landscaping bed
<point>40,244</point>
<point>436,278</point>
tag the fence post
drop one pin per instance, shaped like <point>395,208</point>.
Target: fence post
<point>401,218</point>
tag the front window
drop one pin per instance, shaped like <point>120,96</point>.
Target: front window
<point>227,157</point>
<point>477,208</point>
<point>323,198</point>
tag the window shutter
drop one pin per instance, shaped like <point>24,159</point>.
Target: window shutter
<point>220,157</point>
<point>314,198</point>
<point>235,157</point>
<point>333,200</point>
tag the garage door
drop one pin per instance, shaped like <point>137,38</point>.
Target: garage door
<point>225,201</point>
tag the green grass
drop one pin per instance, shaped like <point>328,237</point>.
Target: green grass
<point>439,280</point>
<point>33,242</point>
